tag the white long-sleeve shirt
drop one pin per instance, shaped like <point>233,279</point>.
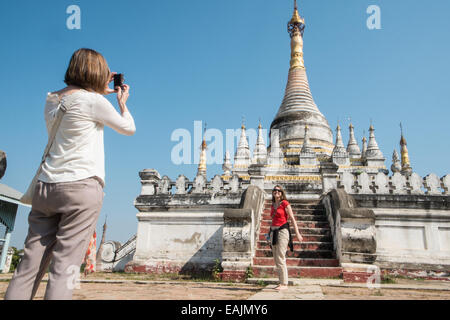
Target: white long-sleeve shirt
<point>78,151</point>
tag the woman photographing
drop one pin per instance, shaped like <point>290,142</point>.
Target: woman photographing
<point>68,196</point>
<point>280,236</point>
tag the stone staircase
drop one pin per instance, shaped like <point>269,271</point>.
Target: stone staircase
<point>312,258</point>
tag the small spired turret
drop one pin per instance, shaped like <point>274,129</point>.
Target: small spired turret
<point>275,158</point>
<point>226,166</point>
<point>364,148</point>
<point>340,154</point>
<point>406,166</point>
<point>307,154</point>
<point>260,151</point>
<point>242,158</point>
<point>374,156</point>
<point>352,146</point>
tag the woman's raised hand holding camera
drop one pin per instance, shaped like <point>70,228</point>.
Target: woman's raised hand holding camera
<point>122,97</point>
<point>122,93</point>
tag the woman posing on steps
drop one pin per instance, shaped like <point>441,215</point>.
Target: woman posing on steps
<point>280,236</point>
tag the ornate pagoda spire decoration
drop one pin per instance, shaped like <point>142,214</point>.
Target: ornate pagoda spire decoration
<point>374,156</point>
<point>298,108</point>
<point>373,151</point>
<point>306,148</point>
<point>406,166</point>
<point>340,154</point>
<point>202,162</point>
<point>296,28</point>
<point>364,146</point>
<point>307,154</point>
<point>226,166</point>
<point>339,147</point>
<point>242,157</point>
<point>260,152</point>
<point>352,146</point>
<point>276,155</point>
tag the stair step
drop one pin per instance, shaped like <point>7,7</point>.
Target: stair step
<point>302,204</point>
<point>312,254</point>
<point>264,245</point>
<point>298,272</point>
<point>304,231</point>
<point>300,211</point>
<point>300,216</point>
<point>306,238</point>
<point>301,225</point>
<point>303,262</point>
<point>304,217</point>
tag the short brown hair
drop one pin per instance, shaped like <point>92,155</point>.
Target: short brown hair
<point>283,194</point>
<point>88,69</point>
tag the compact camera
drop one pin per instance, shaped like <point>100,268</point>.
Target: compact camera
<point>118,80</point>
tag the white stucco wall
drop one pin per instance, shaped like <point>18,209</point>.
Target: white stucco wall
<point>413,236</point>
<point>172,239</point>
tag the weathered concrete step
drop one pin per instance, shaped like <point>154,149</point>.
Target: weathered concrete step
<point>303,231</point>
<point>306,238</point>
<point>302,262</point>
<point>264,245</point>
<point>304,208</point>
<point>298,272</point>
<point>298,202</point>
<point>300,224</point>
<point>301,211</point>
<point>306,218</point>
<point>306,254</point>
<point>297,215</point>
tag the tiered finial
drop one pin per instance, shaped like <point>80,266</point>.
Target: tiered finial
<point>340,154</point>
<point>242,156</point>
<point>226,166</point>
<point>339,147</point>
<point>296,22</point>
<point>260,151</point>
<point>364,145</point>
<point>306,148</point>
<point>296,27</point>
<point>373,155</point>
<point>352,146</point>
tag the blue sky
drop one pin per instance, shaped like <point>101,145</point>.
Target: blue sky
<point>216,62</point>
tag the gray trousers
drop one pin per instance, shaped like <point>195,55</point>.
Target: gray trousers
<point>61,223</point>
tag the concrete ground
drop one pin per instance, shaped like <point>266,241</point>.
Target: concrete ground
<point>107,286</point>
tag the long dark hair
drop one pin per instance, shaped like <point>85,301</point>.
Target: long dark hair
<point>283,194</point>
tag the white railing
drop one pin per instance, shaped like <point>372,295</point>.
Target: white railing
<point>396,184</point>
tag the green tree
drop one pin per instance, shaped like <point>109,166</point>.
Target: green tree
<point>17,255</point>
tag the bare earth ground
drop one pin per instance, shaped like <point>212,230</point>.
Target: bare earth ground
<point>334,293</point>
<point>144,287</point>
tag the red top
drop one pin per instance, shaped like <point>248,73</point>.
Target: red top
<point>280,216</point>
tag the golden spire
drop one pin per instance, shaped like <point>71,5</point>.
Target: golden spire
<point>296,27</point>
<point>406,166</point>
<point>296,17</point>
